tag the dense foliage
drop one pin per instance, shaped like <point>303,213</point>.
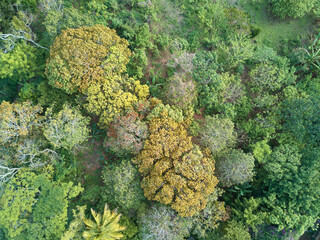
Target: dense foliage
<point>190,119</point>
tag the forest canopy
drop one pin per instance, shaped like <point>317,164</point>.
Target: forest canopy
<point>159,119</point>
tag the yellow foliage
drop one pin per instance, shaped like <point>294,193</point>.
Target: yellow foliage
<point>81,57</point>
<point>113,96</point>
<point>174,170</point>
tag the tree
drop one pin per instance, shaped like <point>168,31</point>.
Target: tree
<point>66,129</point>
<point>217,133</point>
<point>161,223</point>
<point>104,227</point>
<point>236,167</point>
<point>33,206</point>
<point>173,112</point>
<point>17,120</point>
<point>267,76</point>
<point>210,217</point>
<point>76,226</point>
<point>291,180</point>
<point>122,186</point>
<point>236,230</point>
<point>126,134</point>
<point>301,119</point>
<point>19,31</point>
<point>81,57</point>
<point>58,17</point>
<point>112,97</point>
<point>215,91</point>
<point>236,51</point>
<point>174,170</point>
<point>19,64</point>
<point>292,8</point>
<point>180,91</point>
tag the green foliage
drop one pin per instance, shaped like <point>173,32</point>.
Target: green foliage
<point>122,186</point>
<point>161,223</point>
<point>50,96</point>
<point>104,227</point>
<point>262,126</point>
<point>28,92</point>
<point>271,73</point>
<point>131,228</point>
<point>59,17</point>
<point>249,212</point>
<point>35,207</point>
<point>309,56</point>
<point>20,64</point>
<point>217,133</point>
<point>205,67</point>
<point>76,226</point>
<point>300,117</point>
<point>66,129</point>
<point>291,179</point>
<point>209,218</point>
<point>236,167</point>
<point>292,8</point>
<point>260,150</point>
<point>236,51</point>
<point>236,230</point>
<point>215,91</point>
<point>211,20</point>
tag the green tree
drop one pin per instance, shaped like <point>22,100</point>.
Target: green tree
<point>236,167</point>
<point>215,91</point>
<point>236,230</point>
<point>210,217</point>
<point>122,186</point>
<point>66,129</point>
<point>104,227</point>
<point>19,64</point>
<point>35,207</point>
<point>76,226</point>
<point>271,76</point>
<point>217,133</point>
<point>301,119</point>
<point>291,179</point>
<point>292,8</point>
<point>236,51</point>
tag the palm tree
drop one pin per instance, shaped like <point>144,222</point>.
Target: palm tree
<point>105,227</point>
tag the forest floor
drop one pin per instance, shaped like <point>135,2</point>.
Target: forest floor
<point>91,157</point>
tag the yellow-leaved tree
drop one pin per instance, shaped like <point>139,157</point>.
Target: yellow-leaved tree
<point>112,97</point>
<point>80,57</point>
<point>175,171</point>
<point>92,61</point>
